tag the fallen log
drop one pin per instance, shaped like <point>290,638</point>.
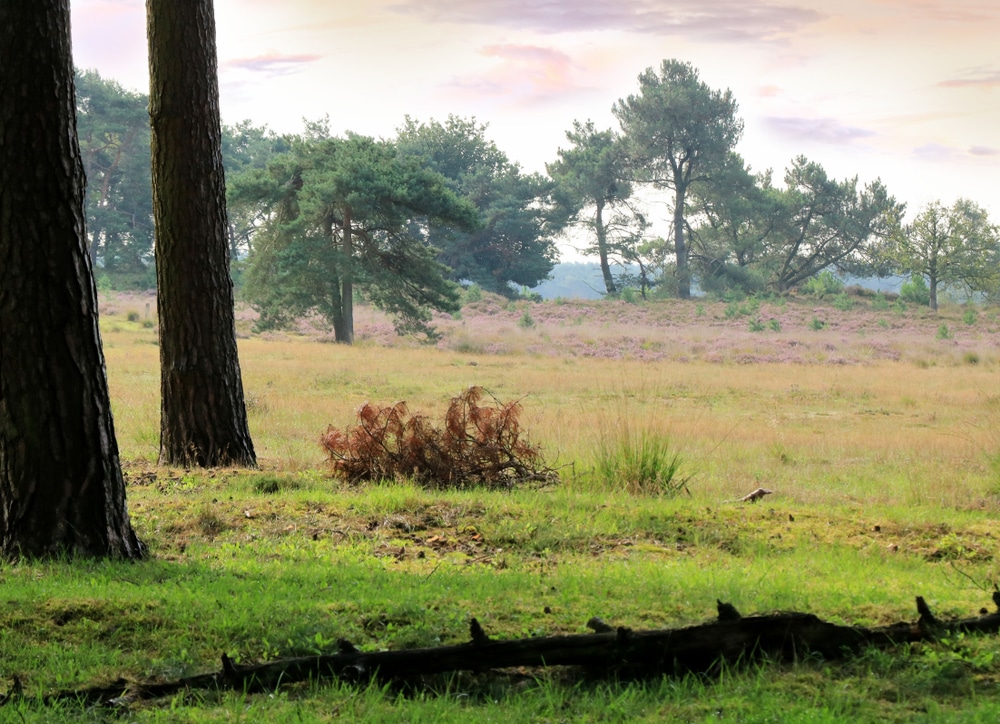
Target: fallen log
<point>730,638</point>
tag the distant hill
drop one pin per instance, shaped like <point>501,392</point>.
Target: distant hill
<point>582,280</point>
<point>573,280</point>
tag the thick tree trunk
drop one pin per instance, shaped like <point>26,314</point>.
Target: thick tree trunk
<point>347,284</point>
<point>61,486</point>
<point>203,414</point>
<point>680,246</point>
<point>602,250</point>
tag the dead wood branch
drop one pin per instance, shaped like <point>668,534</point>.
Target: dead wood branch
<point>731,638</point>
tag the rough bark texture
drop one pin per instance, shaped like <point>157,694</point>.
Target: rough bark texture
<point>61,486</point>
<point>203,414</point>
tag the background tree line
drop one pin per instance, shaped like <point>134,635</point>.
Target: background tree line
<point>449,207</point>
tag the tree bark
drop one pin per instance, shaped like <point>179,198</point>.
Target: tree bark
<point>203,418</point>
<point>61,486</point>
<point>602,250</point>
<point>680,247</point>
<point>347,288</point>
<point>622,652</point>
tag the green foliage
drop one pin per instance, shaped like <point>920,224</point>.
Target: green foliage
<point>640,463</point>
<point>676,130</point>
<point>823,284</point>
<point>843,302</point>
<point>513,243</point>
<point>629,295</point>
<point>757,325</point>
<point>915,291</point>
<point>591,192</point>
<point>473,293</point>
<point>880,303</point>
<point>774,324</point>
<point>341,214</point>
<point>526,321</point>
<point>113,130</point>
<point>943,332</point>
<point>970,316</point>
<point>816,324</point>
<point>953,247</point>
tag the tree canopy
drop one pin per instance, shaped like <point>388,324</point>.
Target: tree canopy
<point>678,131</point>
<point>352,212</point>
<point>951,247</point>
<point>514,243</point>
<point>593,191</point>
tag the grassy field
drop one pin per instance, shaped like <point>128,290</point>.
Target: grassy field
<point>877,428</point>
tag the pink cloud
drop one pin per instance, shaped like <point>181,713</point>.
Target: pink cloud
<point>524,74</point>
<point>984,151</point>
<point>769,91</point>
<point>817,130</point>
<point>715,20</point>
<point>974,78</point>
<point>271,63</point>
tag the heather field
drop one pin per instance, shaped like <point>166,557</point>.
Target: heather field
<point>876,426</point>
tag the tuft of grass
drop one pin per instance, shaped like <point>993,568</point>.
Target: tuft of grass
<point>640,463</point>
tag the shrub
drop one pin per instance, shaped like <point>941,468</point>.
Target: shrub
<point>756,325</point>
<point>641,464</point>
<point>816,324</point>
<point>823,284</point>
<point>774,324</point>
<point>629,295</point>
<point>880,302</point>
<point>915,291</point>
<point>473,293</point>
<point>843,302</point>
<point>943,332</point>
<point>478,445</point>
<point>971,316</point>
<point>526,321</point>
<point>132,316</point>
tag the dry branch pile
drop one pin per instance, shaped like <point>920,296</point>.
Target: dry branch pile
<point>479,445</point>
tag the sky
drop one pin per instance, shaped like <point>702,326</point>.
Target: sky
<point>907,91</point>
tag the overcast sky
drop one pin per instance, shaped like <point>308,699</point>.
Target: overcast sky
<point>905,90</point>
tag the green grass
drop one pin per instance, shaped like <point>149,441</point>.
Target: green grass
<point>885,488</point>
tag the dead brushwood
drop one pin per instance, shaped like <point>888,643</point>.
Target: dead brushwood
<point>478,445</point>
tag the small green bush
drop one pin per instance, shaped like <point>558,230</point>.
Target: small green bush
<point>880,302</point>
<point>629,295</point>
<point>816,324</point>
<point>943,332</point>
<point>132,316</point>
<point>473,293</point>
<point>774,324</point>
<point>823,284</point>
<point>915,291</point>
<point>526,321</point>
<point>843,302</point>
<point>971,316</point>
<point>756,325</point>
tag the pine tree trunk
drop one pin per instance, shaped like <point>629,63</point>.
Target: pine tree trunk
<point>61,485</point>
<point>203,414</point>
<point>680,246</point>
<point>602,250</point>
<point>347,284</point>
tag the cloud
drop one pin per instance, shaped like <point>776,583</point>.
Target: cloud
<point>817,130</point>
<point>974,78</point>
<point>936,153</point>
<point>769,91</point>
<point>714,20</point>
<point>272,64</point>
<point>984,151</point>
<point>524,74</point>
